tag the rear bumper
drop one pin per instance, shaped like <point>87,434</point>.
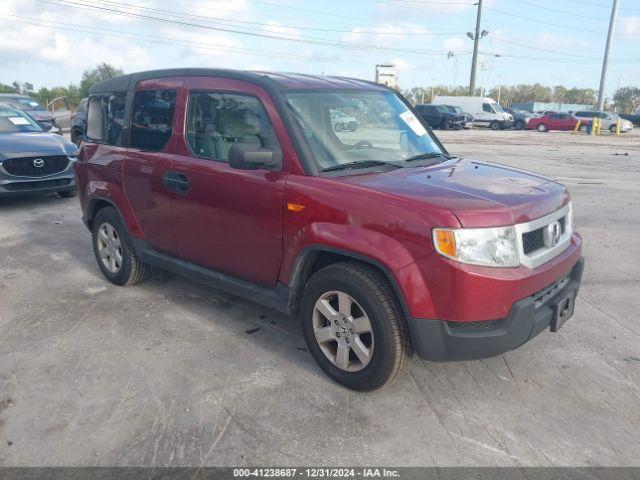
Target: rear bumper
<point>440,340</point>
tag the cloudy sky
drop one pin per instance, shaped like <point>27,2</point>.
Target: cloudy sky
<point>50,42</point>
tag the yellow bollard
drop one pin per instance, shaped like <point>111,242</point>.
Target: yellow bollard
<point>618,126</point>
<point>594,125</point>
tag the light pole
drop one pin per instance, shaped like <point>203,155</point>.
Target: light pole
<point>499,88</point>
<point>605,61</point>
<point>476,37</point>
<point>455,67</point>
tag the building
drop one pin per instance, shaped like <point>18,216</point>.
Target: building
<point>550,107</point>
<point>387,75</point>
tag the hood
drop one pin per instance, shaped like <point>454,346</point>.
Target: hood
<point>33,143</point>
<point>479,194</point>
<point>41,115</point>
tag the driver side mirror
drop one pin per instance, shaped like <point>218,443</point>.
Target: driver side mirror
<point>248,156</point>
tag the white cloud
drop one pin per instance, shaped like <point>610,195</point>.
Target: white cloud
<point>551,41</point>
<point>277,29</point>
<point>213,8</point>
<point>385,35</point>
<point>456,44</point>
<point>629,26</point>
<point>401,64</point>
<point>203,46</point>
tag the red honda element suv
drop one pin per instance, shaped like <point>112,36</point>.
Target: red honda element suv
<point>381,242</point>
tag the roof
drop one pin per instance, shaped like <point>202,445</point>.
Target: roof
<point>280,81</point>
<point>13,95</point>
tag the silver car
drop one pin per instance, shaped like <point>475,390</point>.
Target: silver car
<point>609,120</point>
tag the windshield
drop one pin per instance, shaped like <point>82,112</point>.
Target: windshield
<point>497,107</point>
<point>384,129</point>
<point>15,121</point>
<point>29,104</point>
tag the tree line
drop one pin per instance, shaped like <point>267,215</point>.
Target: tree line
<point>72,94</point>
<point>625,99</point>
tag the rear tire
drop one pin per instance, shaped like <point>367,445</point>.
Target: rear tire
<point>542,128</point>
<point>113,250</point>
<point>350,307</point>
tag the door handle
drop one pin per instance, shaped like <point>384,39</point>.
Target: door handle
<point>176,182</point>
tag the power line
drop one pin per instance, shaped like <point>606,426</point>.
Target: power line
<point>524,45</point>
<point>298,39</point>
<point>608,7</point>
<point>542,22</point>
<point>157,39</point>
<point>564,12</point>
<point>262,24</point>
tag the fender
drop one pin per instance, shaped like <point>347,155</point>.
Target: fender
<point>101,191</point>
<point>381,251</point>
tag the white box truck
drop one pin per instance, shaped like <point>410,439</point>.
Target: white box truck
<point>486,111</point>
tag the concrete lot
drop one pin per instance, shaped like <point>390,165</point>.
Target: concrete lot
<point>173,373</point>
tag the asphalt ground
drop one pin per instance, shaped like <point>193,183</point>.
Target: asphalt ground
<point>170,372</point>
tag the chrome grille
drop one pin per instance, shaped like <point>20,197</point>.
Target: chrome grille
<point>35,166</point>
<point>533,248</point>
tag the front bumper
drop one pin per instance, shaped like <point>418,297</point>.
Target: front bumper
<point>439,340</point>
<point>61,182</point>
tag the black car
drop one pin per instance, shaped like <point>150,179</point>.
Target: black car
<point>33,160</point>
<point>79,122</point>
<point>439,116</point>
<point>520,117</point>
<point>468,118</point>
<point>635,119</point>
<point>32,108</point>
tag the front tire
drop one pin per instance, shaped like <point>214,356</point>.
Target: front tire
<point>354,326</point>
<point>520,125</point>
<point>114,253</point>
<point>495,125</point>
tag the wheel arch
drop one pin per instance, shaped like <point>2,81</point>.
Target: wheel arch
<point>314,257</point>
<point>98,202</point>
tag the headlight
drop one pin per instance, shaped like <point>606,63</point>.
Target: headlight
<point>492,247</point>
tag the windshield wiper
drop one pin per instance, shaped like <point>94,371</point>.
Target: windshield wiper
<point>426,156</point>
<point>359,164</point>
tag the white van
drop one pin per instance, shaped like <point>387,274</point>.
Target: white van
<point>486,111</point>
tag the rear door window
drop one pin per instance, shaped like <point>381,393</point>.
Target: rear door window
<point>152,119</point>
<point>218,120</point>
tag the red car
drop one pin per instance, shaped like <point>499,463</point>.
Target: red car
<point>557,121</point>
<point>378,240</point>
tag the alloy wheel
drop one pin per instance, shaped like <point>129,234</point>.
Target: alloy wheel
<point>343,331</point>
<point>109,247</point>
